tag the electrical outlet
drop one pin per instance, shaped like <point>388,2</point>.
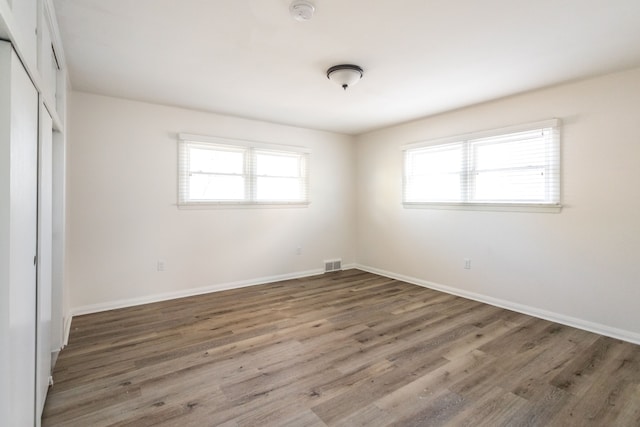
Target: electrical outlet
<point>467,264</point>
<point>298,250</point>
<point>161,265</point>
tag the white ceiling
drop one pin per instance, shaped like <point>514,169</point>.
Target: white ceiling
<point>249,58</point>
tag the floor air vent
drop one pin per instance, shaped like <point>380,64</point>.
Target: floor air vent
<point>332,265</point>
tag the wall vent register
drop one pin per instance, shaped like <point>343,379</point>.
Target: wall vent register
<point>332,265</point>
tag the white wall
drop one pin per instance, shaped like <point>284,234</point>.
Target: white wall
<point>123,218</point>
<point>579,266</point>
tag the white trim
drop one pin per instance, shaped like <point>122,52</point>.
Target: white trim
<point>234,142</point>
<point>130,302</point>
<point>250,152</point>
<point>523,127</point>
<point>242,205</point>
<point>50,16</point>
<point>499,207</point>
<point>463,147</point>
<point>67,329</point>
<point>621,334</point>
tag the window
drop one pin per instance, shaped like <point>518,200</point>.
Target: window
<point>515,167</point>
<point>229,172</point>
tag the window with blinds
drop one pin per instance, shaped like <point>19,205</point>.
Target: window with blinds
<point>215,171</point>
<point>517,167</point>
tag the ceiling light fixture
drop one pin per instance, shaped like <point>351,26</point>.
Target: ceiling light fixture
<point>345,75</point>
<point>301,10</point>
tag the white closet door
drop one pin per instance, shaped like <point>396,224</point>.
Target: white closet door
<point>58,216</point>
<point>45,188</point>
<point>18,225</point>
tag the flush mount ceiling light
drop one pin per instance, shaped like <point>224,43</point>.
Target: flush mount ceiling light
<point>301,10</point>
<point>345,75</point>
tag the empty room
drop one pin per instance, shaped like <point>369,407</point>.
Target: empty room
<point>319,213</point>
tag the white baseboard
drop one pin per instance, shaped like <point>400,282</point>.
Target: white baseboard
<point>597,328</point>
<point>130,302</point>
<point>622,334</point>
<point>67,329</point>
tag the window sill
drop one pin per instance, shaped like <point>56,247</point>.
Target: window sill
<point>499,207</point>
<point>242,205</point>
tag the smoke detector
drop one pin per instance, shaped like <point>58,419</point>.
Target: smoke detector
<point>301,10</point>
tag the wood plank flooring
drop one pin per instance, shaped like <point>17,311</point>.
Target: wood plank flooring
<point>341,349</point>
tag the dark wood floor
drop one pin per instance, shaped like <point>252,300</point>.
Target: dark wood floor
<point>348,348</point>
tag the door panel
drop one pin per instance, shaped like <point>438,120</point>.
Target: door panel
<point>58,215</point>
<point>45,181</point>
<point>18,194</point>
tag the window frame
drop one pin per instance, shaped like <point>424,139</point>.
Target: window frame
<point>250,151</point>
<point>468,170</point>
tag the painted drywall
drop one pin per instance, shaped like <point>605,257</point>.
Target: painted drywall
<point>577,266</point>
<point>123,218</point>
<point>581,264</point>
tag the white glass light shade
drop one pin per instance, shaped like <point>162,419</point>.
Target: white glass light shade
<point>345,75</point>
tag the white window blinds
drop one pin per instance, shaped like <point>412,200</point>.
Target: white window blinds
<point>218,171</point>
<point>516,166</point>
